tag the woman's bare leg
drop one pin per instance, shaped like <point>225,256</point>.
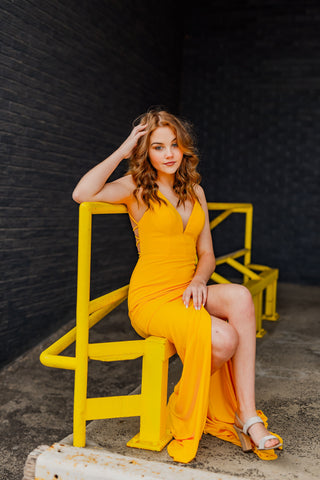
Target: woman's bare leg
<point>234,303</point>
<point>224,339</point>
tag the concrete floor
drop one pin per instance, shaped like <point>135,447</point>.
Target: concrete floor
<point>36,402</point>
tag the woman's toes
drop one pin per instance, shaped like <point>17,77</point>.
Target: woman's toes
<point>271,443</point>
<point>258,431</point>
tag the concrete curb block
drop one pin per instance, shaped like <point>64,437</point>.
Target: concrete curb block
<point>64,462</point>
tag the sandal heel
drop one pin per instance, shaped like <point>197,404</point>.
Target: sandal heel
<point>244,440</point>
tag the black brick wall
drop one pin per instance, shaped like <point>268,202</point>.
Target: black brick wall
<point>251,85</point>
<point>73,76</point>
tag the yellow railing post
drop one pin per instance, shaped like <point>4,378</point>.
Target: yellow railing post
<point>153,434</point>
<point>257,300</point>
<point>248,239</point>
<point>82,328</point>
<point>270,302</point>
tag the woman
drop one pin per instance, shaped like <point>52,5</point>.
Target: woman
<point>212,327</point>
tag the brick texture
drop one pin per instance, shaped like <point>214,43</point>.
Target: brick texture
<point>251,85</point>
<point>73,77</point>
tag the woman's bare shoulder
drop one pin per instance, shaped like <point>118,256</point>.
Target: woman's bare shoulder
<point>119,191</point>
<point>200,193</point>
<point>127,181</point>
<point>129,184</point>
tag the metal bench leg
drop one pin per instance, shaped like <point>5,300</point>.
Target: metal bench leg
<point>79,420</point>
<point>153,434</point>
<point>80,395</point>
<point>270,302</point>
<point>257,300</point>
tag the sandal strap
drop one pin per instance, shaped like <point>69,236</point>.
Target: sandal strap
<point>250,422</point>
<point>263,441</point>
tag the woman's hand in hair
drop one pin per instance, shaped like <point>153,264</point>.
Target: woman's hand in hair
<point>93,186</point>
<point>128,145</point>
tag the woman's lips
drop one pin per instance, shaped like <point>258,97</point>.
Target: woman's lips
<point>169,164</point>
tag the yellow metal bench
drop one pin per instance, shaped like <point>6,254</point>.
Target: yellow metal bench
<point>150,404</point>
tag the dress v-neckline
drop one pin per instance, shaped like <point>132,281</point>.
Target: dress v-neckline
<point>184,228</point>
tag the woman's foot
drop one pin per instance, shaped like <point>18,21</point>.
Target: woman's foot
<point>253,426</point>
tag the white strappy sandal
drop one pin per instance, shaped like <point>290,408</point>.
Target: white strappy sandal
<point>244,435</point>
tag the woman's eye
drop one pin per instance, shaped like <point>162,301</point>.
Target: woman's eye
<point>175,145</point>
<point>158,147</point>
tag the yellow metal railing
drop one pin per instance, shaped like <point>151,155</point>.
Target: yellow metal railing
<point>150,405</point>
<point>259,279</point>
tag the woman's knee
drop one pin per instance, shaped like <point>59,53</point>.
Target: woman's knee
<point>225,340</point>
<point>227,301</point>
<point>242,299</point>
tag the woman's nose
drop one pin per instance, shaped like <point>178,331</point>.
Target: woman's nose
<point>168,152</point>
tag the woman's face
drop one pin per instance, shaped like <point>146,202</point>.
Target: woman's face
<point>164,153</point>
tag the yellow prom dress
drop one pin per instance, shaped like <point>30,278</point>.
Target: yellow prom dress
<point>167,260</point>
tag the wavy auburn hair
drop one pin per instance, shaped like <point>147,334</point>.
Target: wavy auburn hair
<point>145,175</point>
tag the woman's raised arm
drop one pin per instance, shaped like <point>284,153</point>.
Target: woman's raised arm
<point>93,187</point>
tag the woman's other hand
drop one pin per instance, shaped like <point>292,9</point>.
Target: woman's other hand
<point>128,145</point>
<point>93,186</point>
<point>197,289</point>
